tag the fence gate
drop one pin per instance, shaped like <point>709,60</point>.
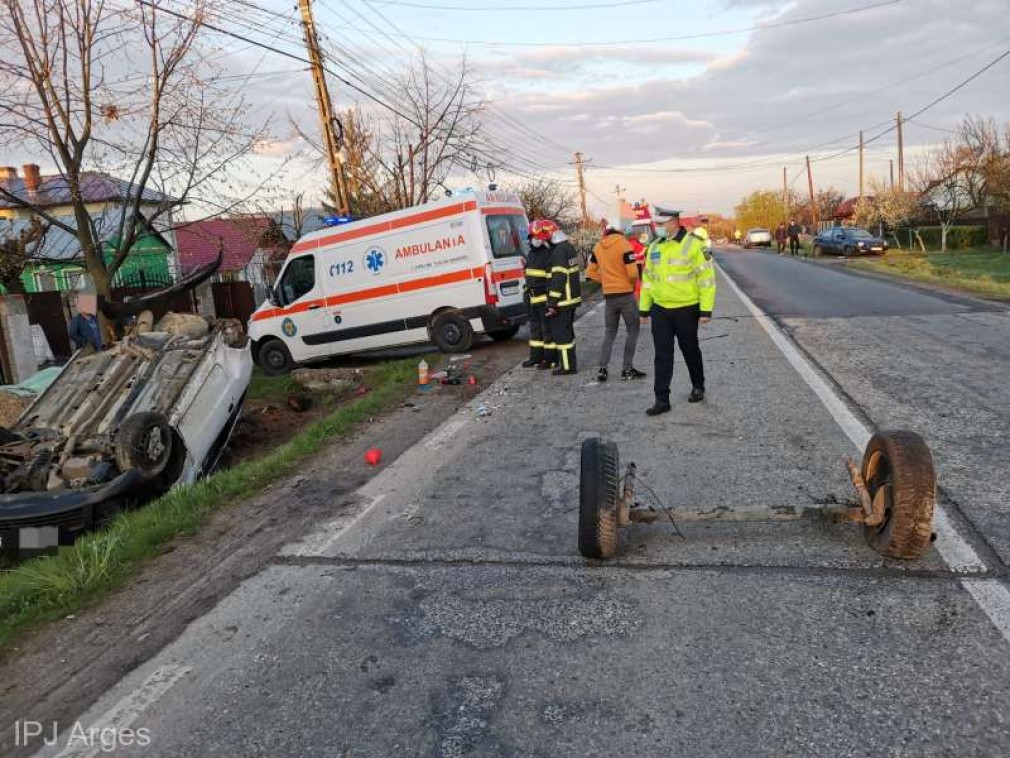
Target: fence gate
<point>233,300</point>
<point>48,310</point>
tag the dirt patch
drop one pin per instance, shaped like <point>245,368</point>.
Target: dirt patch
<point>63,668</point>
<point>11,406</point>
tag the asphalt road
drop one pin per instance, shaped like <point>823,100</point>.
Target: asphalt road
<point>444,611</point>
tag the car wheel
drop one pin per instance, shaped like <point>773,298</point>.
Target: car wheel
<point>274,358</point>
<point>451,332</point>
<point>847,251</point>
<point>599,492</point>
<point>144,444</point>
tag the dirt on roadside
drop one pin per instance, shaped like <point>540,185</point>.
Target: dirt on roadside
<point>61,669</point>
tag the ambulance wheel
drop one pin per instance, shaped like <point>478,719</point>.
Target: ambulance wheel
<point>274,358</point>
<point>898,466</point>
<point>504,334</point>
<point>598,494</point>
<point>451,332</point>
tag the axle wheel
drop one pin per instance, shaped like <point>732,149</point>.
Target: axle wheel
<point>898,467</point>
<point>599,491</point>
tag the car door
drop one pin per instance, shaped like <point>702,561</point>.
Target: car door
<point>301,297</point>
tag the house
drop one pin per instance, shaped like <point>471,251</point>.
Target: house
<point>252,247</point>
<point>57,261</point>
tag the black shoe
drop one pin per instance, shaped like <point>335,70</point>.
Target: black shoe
<point>530,363</point>
<point>696,396</point>
<point>658,408</point>
<point>632,373</point>
<point>601,375</point>
<point>561,372</point>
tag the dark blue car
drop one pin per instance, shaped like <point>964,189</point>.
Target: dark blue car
<point>848,241</point>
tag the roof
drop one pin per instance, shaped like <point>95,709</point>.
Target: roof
<point>61,245</point>
<point>198,243</point>
<point>96,187</point>
<point>848,208</point>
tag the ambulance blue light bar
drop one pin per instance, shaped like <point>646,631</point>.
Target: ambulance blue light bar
<point>337,220</point>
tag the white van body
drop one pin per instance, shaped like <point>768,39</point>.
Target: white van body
<point>444,271</point>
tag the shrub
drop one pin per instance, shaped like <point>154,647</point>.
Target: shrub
<point>958,237</point>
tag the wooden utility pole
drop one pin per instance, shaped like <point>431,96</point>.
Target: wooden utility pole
<point>330,130</point>
<point>892,173</point>
<point>861,146</point>
<point>810,188</point>
<point>901,152</point>
<point>579,170</point>
<point>785,190</point>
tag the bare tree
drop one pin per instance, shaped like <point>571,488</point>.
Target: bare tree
<point>547,198</point>
<point>124,89</point>
<point>948,181</point>
<point>986,148</point>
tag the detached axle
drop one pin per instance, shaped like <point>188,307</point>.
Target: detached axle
<point>896,485</point>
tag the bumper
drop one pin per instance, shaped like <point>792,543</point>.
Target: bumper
<point>495,319</point>
<point>41,521</point>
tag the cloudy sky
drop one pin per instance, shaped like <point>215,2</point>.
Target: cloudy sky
<point>696,102</point>
<point>688,102</point>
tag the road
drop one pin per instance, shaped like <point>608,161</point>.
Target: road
<point>444,611</point>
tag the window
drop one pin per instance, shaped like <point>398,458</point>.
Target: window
<point>508,234</point>
<point>299,279</point>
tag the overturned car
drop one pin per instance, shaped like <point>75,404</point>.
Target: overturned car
<point>119,427</point>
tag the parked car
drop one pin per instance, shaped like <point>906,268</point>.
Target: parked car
<point>757,238</point>
<point>848,241</point>
<point>119,427</point>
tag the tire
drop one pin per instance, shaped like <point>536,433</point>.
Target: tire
<point>847,252</point>
<point>901,462</point>
<point>274,358</point>
<point>598,495</point>
<point>451,332</point>
<point>144,444</point>
<point>504,334</point>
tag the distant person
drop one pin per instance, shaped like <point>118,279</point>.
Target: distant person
<point>794,231</point>
<point>85,328</point>
<point>781,236</point>
<point>613,265</point>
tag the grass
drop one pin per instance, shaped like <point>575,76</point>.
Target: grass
<point>980,271</point>
<point>50,587</point>
<point>268,388</point>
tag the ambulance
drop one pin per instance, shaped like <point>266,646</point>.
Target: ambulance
<point>445,272</point>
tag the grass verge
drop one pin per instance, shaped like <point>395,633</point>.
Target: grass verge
<point>980,271</point>
<point>46,588</point>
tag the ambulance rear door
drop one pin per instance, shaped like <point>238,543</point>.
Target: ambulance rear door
<point>506,235</point>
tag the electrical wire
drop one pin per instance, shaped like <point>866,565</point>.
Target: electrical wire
<point>523,8</point>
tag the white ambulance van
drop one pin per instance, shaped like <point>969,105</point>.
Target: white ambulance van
<point>443,272</point>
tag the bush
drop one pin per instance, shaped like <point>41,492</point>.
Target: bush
<point>958,237</point>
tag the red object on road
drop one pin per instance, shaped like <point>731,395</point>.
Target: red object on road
<point>373,456</point>
<point>471,380</point>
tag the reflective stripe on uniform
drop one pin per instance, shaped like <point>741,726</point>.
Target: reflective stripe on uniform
<point>538,273</point>
<point>679,277</point>
<point>537,343</point>
<point>572,301</point>
<point>565,270</point>
<point>554,293</point>
<point>535,299</point>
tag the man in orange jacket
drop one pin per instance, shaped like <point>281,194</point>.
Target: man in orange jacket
<point>613,265</point>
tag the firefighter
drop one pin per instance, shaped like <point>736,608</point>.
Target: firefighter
<point>678,294</point>
<point>563,296</point>
<point>542,352</point>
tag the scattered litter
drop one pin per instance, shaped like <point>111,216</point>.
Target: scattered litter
<point>362,390</point>
<point>408,405</point>
<point>471,380</point>
<point>299,402</point>
<point>458,358</point>
<point>483,411</point>
<point>373,456</point>
<point>298,481</point>
<point>438,376</point>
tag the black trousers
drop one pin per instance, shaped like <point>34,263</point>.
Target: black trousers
<point>541,339</point>
<point>562,328</point>
<point>794,245</point>
<point>680,324</point>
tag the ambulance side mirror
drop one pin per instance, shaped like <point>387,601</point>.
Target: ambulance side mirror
<point>273,297</point>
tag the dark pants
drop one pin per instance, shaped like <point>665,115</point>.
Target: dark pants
<point>620,307</point>
<point>562,327</point>
<point>794,245</point>
<point>782,244</point>
<point>541,340</point>
<point>681,324</point>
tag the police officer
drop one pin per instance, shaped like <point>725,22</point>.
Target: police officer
<point>678,294</point>
<point>542,352</point>
<point>564,294</point>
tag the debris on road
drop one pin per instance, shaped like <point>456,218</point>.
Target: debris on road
<point>327,379</point>
<point>373,456</point>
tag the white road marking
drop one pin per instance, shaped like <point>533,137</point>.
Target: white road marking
<point>992,595</point>
<point>120,716</point>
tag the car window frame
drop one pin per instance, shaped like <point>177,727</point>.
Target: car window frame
<point>299,261</point>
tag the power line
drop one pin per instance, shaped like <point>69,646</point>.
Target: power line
<point>678,38</point>
<point>524,8</point>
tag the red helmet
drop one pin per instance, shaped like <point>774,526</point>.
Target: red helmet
<point>543,229</point>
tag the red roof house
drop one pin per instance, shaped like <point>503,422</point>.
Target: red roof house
<point>251,246</point>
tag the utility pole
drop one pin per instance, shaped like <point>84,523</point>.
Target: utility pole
<point>861,145</point>
<point>331,133</point>
<point>785,190</point>
<point>810,187</point>
<point>892,173</point>
<point>579,169</point>
<point>901,152</point>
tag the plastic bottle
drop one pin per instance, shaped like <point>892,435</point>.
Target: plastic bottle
<point>422,373</point>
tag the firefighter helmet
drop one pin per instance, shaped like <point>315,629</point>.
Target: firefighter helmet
<point>543,229</point>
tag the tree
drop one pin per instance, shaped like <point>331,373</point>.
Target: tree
<point>828,200</point>
<point>123,89</point>
<point>17,247</point>
<point>761,208</point>
<point>547,198</point>
<point>986,149</point>
<point>947,179</point>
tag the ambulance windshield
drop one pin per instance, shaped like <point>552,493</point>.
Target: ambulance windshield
<point>508,235</point>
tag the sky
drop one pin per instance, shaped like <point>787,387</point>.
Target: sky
<point>691,103</point>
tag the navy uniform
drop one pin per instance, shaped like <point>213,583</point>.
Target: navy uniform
<point>563,297</point>
<point>542,351</point>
